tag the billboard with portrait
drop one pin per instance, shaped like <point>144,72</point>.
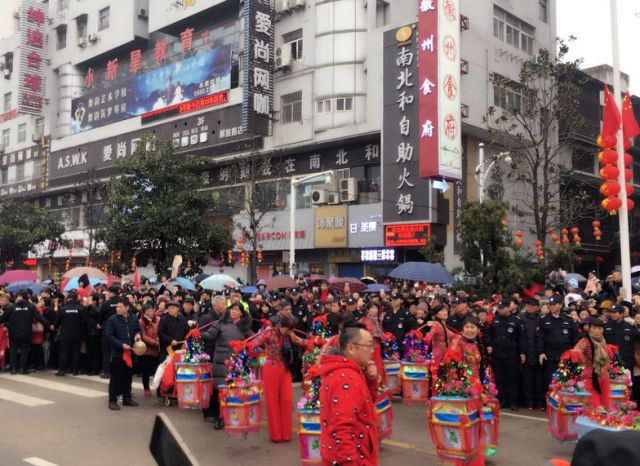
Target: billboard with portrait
<point>204,74</point>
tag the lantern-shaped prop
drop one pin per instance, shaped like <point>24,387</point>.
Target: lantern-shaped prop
<point>454,425</point>
<point>562,410</point>
<point>384,409</point>
<point>241,397</point>
<point>555,238</point>
<point>194,385</point>
<point>620,381</point>
<point>415,382</point>
<point>309,436</point>
<point>518,240</point>
<point>597,232</point>
<point>565,236</point>
<point>575,231</point>
<point>392,374</point>
<point>490,420</point>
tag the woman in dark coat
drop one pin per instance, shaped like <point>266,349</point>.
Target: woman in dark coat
<point>234,325</point>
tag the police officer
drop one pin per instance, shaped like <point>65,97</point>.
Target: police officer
<point>300,311</point>
<point>107,309</point>
<point>459,309</point>
<point>398,321</point>
<point>19,318</point>
<point>70,324</point>
<point>505,341</point>
<point>531,369</point>
<point>556,334</point>
<point>622,334</point>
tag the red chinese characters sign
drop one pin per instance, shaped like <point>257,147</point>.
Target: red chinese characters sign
<point>410,234</point>
<point>33,40</point>
<point>439,96</point>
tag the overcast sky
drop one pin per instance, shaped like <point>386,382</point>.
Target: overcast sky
<point>590,22</point>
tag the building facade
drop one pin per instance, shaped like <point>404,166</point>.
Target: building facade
<point>304,80</point>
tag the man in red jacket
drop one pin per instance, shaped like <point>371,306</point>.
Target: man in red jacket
<point>347,395</point>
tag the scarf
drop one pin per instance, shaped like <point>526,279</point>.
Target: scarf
<point>600,356</point>
<point>376,327</point>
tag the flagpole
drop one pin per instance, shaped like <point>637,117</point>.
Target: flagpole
<point>623,214</point>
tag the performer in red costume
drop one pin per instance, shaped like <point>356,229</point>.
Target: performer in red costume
<point>439,336</point>
<point>278,388</point>
<point>596,355</point>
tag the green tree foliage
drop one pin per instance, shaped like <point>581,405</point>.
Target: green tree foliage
<point>22,226</point>
<point>155,211</point>
<point>431,253</point>
<point>538,120</point>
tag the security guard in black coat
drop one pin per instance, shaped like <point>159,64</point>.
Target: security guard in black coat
<point>70,324</point>
<point>506,343</point>
<point>622,334</point>
<point>398,320</point>
<point>19,318</point>
<point>107,309</point>
<point>459,310</point>
<point>556,334</point>
<point>532,370</point>
<point>300,311</point>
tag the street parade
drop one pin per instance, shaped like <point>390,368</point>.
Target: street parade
<point>319,232</point>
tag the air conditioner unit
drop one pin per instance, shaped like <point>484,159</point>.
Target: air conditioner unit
<point>333,199</point>
<point>348,189</point>
<point>283,5</point>
<point>299,3</point>
<point>283,56</point>
<point>92,37</point>
<point>319,196</point>
<point>143,13</point>
<point>82,42</point>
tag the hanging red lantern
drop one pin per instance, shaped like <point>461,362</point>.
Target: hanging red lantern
<point>627,174</point>
<point>565,236</point>
<point>555,238</point>
<point>577,240</point>
<point>628,160</point>
<point>575,231</point>
<point>629,189</point>
<point>609,172</point>
<point>540,254</point>
<point>259,255</point>
<point>611,204</point>
<point>518,234</point>
<point>229,256</point>
<point>610,188</point>
<point>597,233</point>
<point>537,243</point>
<point>605,143</point>
<point>505,223</point>
<point>630,205</point>
<point>608,157</point>
<point>598,260</point>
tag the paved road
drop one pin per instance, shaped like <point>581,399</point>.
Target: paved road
<point>49,421</point>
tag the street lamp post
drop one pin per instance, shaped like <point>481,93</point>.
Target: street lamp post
<point>482,173</point>
<point>295,181</point>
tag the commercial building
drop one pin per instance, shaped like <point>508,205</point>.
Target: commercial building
<point>315,83</point>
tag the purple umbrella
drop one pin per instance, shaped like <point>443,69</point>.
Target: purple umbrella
<point>355,285</point>
<point>22,275</point>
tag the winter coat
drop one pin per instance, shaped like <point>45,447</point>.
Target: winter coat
<point>37,336</point>
<point>119,330</point>
<point>150,335</point>
<point>349,434</point>
<point>171,328</point>
<point>206,319</point>
<point>19,318</point>
<point>70,322</point>
<point>220,335</point>
<point>107,309</point>
<point>530,322</point>
<point>92,320</point>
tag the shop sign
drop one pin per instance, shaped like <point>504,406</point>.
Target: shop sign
<point>331,227</point>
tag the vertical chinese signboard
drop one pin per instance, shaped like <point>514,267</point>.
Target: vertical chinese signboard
<point>439,89</point>
<point>33,44</point>
<point>406,196</point>
<point>259,22</point>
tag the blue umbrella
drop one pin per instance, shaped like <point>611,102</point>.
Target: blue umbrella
<point>198,278</point>
<point>185,283</point>
<point>24,286</point>
<point>248,290</point>
<point>422,271</point>
<point>217,282</point>
<point>377,288</point>
<point>73,284</point>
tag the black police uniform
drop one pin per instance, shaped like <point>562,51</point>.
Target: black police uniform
<point>300,311</point>
<point>398,323</point>
<point>554,336</point>
<point>455,322</point>
<point>621,334</point>
<point>506,337</point>
<point>532,370</point>
<point>19,318</point>
<point>70,322</point>
<point>107,309</point>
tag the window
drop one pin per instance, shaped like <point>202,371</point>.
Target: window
<point>344,104</point>
<point>7,102</point>
<point>509,98</point>
<point>20,173</point>
<point>271,195</point>
<point>294,39</point>
<point>382,13</point>
<point>6,137</point>
<point>39,127</point>
<point>292,107</point>
<point>544,6</point>
<point>28,170</point>
<point>3,176</point>
<point>323,106</point>
<point>11,174</point>
<point>512,30</point>
<point>63,5</point>
<point>61,34</point>
<point>22,132</point>
<point>81,26</point>
<point>103,19</point>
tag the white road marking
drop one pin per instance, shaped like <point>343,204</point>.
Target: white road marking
<point>522,416</point>
<point>90,378</point>
<point>50,385</point>
<point>38,461</point>
<point>24,400</point>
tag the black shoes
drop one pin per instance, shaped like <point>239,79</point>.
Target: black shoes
<point>514,407</point>
<point>104,375</point>
<point>60,373</point>
<point>113,405</point>
<point>218,424</point>
<point>129,402</point>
